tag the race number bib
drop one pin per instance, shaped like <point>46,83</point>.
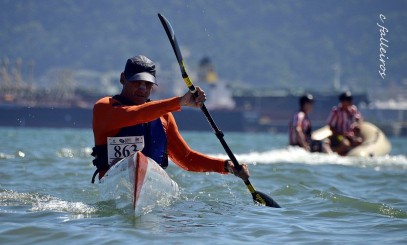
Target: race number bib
<point>121,147</point>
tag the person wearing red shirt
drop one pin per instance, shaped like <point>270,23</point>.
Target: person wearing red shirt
<point>344,122</point>
<point>132,115</point>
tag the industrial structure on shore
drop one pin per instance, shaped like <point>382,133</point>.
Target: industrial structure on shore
<point>68,101</point>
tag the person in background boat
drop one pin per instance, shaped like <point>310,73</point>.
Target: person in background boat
<point>300,125</point>
<point>130,122</point>
<point>344,122</point>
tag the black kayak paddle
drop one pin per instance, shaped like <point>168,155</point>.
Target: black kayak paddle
<point>258,197</point>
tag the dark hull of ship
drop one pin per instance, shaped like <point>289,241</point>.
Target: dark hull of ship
<point>46,117</point>
<point>251,114</point>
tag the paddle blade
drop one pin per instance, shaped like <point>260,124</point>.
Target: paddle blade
<point>171,36</point>
<point>263,199</point>
<point>173,40</point>
<point>260,197</point>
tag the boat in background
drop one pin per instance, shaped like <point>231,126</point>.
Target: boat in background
<point>375,142</point>
<point>139,183</point>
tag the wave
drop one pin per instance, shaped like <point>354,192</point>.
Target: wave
<point>66,152</point>
<point>39,202</point>
<point>12,156</point>
<point>300,156</point>
<point>358,204</point>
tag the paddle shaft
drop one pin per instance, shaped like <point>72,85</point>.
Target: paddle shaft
<point>257,196</point>
<point>219,134</point>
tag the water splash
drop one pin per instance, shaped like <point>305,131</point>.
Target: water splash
<point>18,154</point>
<point>299,155</point>
<point>39,202</point>
<point>74,152</point>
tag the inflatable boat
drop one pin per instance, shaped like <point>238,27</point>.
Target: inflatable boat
<point>375,142</point>
<point>138,182</point>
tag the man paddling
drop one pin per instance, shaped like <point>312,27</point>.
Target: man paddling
<point>150,124</point>
<point>344,122</point>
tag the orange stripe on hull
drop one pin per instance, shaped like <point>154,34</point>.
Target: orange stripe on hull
<point>139,175</point>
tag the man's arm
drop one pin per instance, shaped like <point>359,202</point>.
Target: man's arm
<point>186,158</point>
<point>299,132</point>
<point>358,116</point>
<point>301,138</point>
<point>120,116</point>
<point>109,118</point>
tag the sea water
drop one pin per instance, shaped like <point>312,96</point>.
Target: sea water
<point>46,196</point>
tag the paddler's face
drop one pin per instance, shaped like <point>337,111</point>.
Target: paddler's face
<point>137,92</point>
<point>346,104</point>
<point>308,107</point>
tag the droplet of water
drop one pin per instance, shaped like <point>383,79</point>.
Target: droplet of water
<point>21,154</point>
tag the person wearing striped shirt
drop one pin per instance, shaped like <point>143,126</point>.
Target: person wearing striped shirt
<point>300,125</point>
<point>344,121</point>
